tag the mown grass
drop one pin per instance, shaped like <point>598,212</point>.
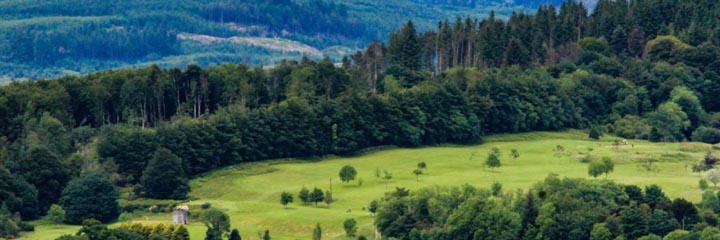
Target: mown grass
<point>249,193</point>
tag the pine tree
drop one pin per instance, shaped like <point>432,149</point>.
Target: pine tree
<point>405,50</point>
<point>516,53</point>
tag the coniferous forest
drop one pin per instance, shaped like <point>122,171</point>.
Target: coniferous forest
<point>645,69</point>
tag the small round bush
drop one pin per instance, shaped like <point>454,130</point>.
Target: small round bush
<point>703,184</point>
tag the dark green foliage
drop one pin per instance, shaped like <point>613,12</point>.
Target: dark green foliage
<point>164,177</point>
<point>660,223</point>
<point>350,226</point>
<point>286,198</point>
<point>235,235</point>
<point>684,212</point>
<point>217,223</point>
<point>633,222</point>
<point>595,133</point>
<point>90,196</point>
<point>422,165</point>
<point>304,195</point>
<point>347,173</point>
<point>316,196</point>
<point>46,173</point>
<point>654,196</point>
<point>496,189</point>
<point>266,235</point>
<point>706,135</point>
<point>18,195</point>
<point>493,160</point>
<point>129,148</point>
<point>417,173</point>
<point>9,224</point>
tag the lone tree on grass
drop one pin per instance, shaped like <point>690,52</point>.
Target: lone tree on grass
<point>317,232</point>
<point>386,176</point>
<point>373,207</point>
<point>350,226</point>
<point>328,197</point>
<point>266,236</point>
<point>713,176</point>
<point>597,168</point>
<point>595,133</point>
<point>286,198</point>
<point>304,195</point>
<point>514,153</point>
<point>347,173</point>
<point>217,223</point>
<point>417,173</point>
<point>317,196</point>
<point>421,165</point>
<point>493,160</point>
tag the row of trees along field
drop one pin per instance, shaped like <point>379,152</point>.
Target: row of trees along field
<point>644,69</point>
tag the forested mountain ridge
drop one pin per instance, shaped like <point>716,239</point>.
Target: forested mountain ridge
<point>49,39</point>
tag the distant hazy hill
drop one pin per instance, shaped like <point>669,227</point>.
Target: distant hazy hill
<point>41,38</point>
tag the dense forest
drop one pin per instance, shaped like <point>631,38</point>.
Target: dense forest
<point>640,69</point>
<point>51,39</point>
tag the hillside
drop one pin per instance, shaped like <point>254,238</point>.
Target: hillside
<point>250,193</point>
<point>628,92</point>
<point>49,39</point>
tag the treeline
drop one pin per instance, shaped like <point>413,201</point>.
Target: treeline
<point>553,209</point>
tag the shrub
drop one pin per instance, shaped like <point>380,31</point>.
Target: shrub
<point>126,216</point>
<point>587,159</point>
<point>706,135</point>
<point>350,226</point>
<point>205,205</point>
<point>56,214</point>
<point>703,184</point>
<point>595,133</point>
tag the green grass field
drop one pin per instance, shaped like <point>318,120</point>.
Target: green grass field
<point>250,193</point>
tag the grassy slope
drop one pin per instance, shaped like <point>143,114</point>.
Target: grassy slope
<point>249,193</point>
